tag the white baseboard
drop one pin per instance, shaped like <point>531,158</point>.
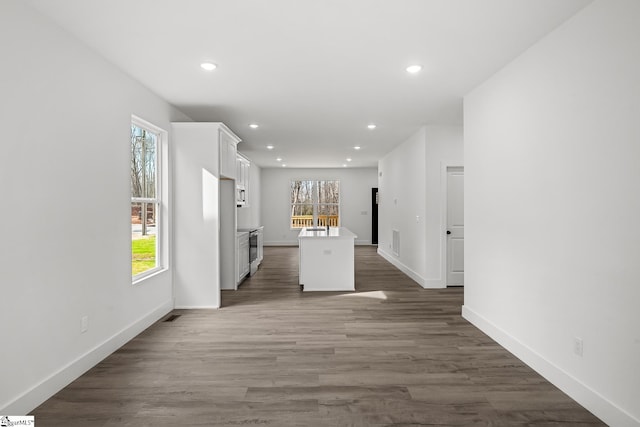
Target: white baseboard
<point>400,266</point>
<point>295,243</point>
<point>32,398</point>
<point>280,243</point>
<point>585,396</point>
<point>199,307</point>
<point>434,284</point>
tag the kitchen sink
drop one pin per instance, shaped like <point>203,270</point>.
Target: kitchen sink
<point>317,229</point>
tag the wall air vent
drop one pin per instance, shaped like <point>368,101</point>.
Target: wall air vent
<point>172,317</point>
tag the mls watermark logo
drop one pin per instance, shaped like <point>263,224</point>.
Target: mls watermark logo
<point>11,421</point>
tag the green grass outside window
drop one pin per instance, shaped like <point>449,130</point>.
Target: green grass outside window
<point>143,254</point>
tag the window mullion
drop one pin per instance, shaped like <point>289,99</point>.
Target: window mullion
<point>144,200</point>
<point>314,200</point>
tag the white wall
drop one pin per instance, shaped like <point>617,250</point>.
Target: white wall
<point>355,195</point>
<point>401,205</point>
<point>412,201</point>
<point>444,147</point>
<point>251,215</point>
<point>199,214</point>
<point>65,208</point>
<point>552,145</point>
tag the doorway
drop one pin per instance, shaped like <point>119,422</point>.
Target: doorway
<point>374,216</point>
<point>455,226</point>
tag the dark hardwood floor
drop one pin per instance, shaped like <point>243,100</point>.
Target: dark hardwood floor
<point>391,354</point>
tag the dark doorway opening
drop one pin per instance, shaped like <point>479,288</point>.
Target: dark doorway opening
<point>374,216</point>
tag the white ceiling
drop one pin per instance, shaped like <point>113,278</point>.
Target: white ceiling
<point>313,73</point>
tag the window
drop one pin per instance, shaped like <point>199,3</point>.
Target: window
<point>315,203</point>
<point>145,198</point>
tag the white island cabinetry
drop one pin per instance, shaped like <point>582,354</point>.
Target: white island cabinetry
<point>327,259</point>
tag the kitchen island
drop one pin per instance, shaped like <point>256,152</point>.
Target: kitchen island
<point>326,259</point>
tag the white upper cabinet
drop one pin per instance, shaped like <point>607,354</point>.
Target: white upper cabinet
<point>243,167</point>
<point>228,151</point>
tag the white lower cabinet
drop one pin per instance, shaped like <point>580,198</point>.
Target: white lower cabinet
<point>260,244</point>
<point>243,256</point>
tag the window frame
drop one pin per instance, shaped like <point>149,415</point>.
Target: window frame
<point>159,200</point>
<point>315,201</point>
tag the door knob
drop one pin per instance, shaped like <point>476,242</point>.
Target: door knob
<point>448,232</point>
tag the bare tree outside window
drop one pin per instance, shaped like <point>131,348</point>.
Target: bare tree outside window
<point>315,203</point>
<point>144,199</point>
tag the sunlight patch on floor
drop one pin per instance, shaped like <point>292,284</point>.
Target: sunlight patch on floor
<point>372,294</point>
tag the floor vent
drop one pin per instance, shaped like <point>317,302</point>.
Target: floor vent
<point>172,318</point>
<point>395,245</point>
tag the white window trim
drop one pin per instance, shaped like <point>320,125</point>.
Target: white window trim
<point>162,229</point>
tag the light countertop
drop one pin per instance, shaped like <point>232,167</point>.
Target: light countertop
<point>257,227</point>
<point>334,233</point>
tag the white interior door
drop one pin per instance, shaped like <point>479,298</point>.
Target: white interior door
<point>455,226</point>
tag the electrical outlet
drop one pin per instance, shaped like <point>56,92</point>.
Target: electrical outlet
<point>578,346</point>
<point>84,324</point>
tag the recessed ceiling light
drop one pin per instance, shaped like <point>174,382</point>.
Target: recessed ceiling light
<point>209,66</point>
<point>371,126</point>
<point>344,166</point>
<point>357,147</point>
<point>269,147</point>
<point>284,166</point>
<point>279,159</point>
<point>414,69</point>
<point>254,126</point>
<point>349,159</point>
